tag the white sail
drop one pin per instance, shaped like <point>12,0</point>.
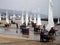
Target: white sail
<point>58,21</point>
<point>19,16</point>
<point>34,18</point>
<point>0,16</point>
<point>30,18</point>
<point>38,20</point>
<point>14,16</point>
<point>50,16</point>
<point>7,19</point>
<point>26,19</point>
<point>22,19</point>
<point>11,17</point>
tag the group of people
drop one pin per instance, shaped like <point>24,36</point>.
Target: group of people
<point>47,35</point>
<point>36,27</point>
<point>12,22</point>
<point>44,34</point>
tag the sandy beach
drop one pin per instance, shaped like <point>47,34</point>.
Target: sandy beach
<point>8,36</point>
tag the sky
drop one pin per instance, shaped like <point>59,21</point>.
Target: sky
<point>31,5</point>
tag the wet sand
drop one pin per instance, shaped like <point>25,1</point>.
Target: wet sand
<point>8,36</point>
<point>11,41</point>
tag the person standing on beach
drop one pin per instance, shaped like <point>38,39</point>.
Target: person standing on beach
<point>44,27</point>
<point>16,25</point>
<point>17,28</point>
<point>42,36</point>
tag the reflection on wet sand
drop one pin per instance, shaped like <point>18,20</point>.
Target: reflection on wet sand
<point>31,36</point>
